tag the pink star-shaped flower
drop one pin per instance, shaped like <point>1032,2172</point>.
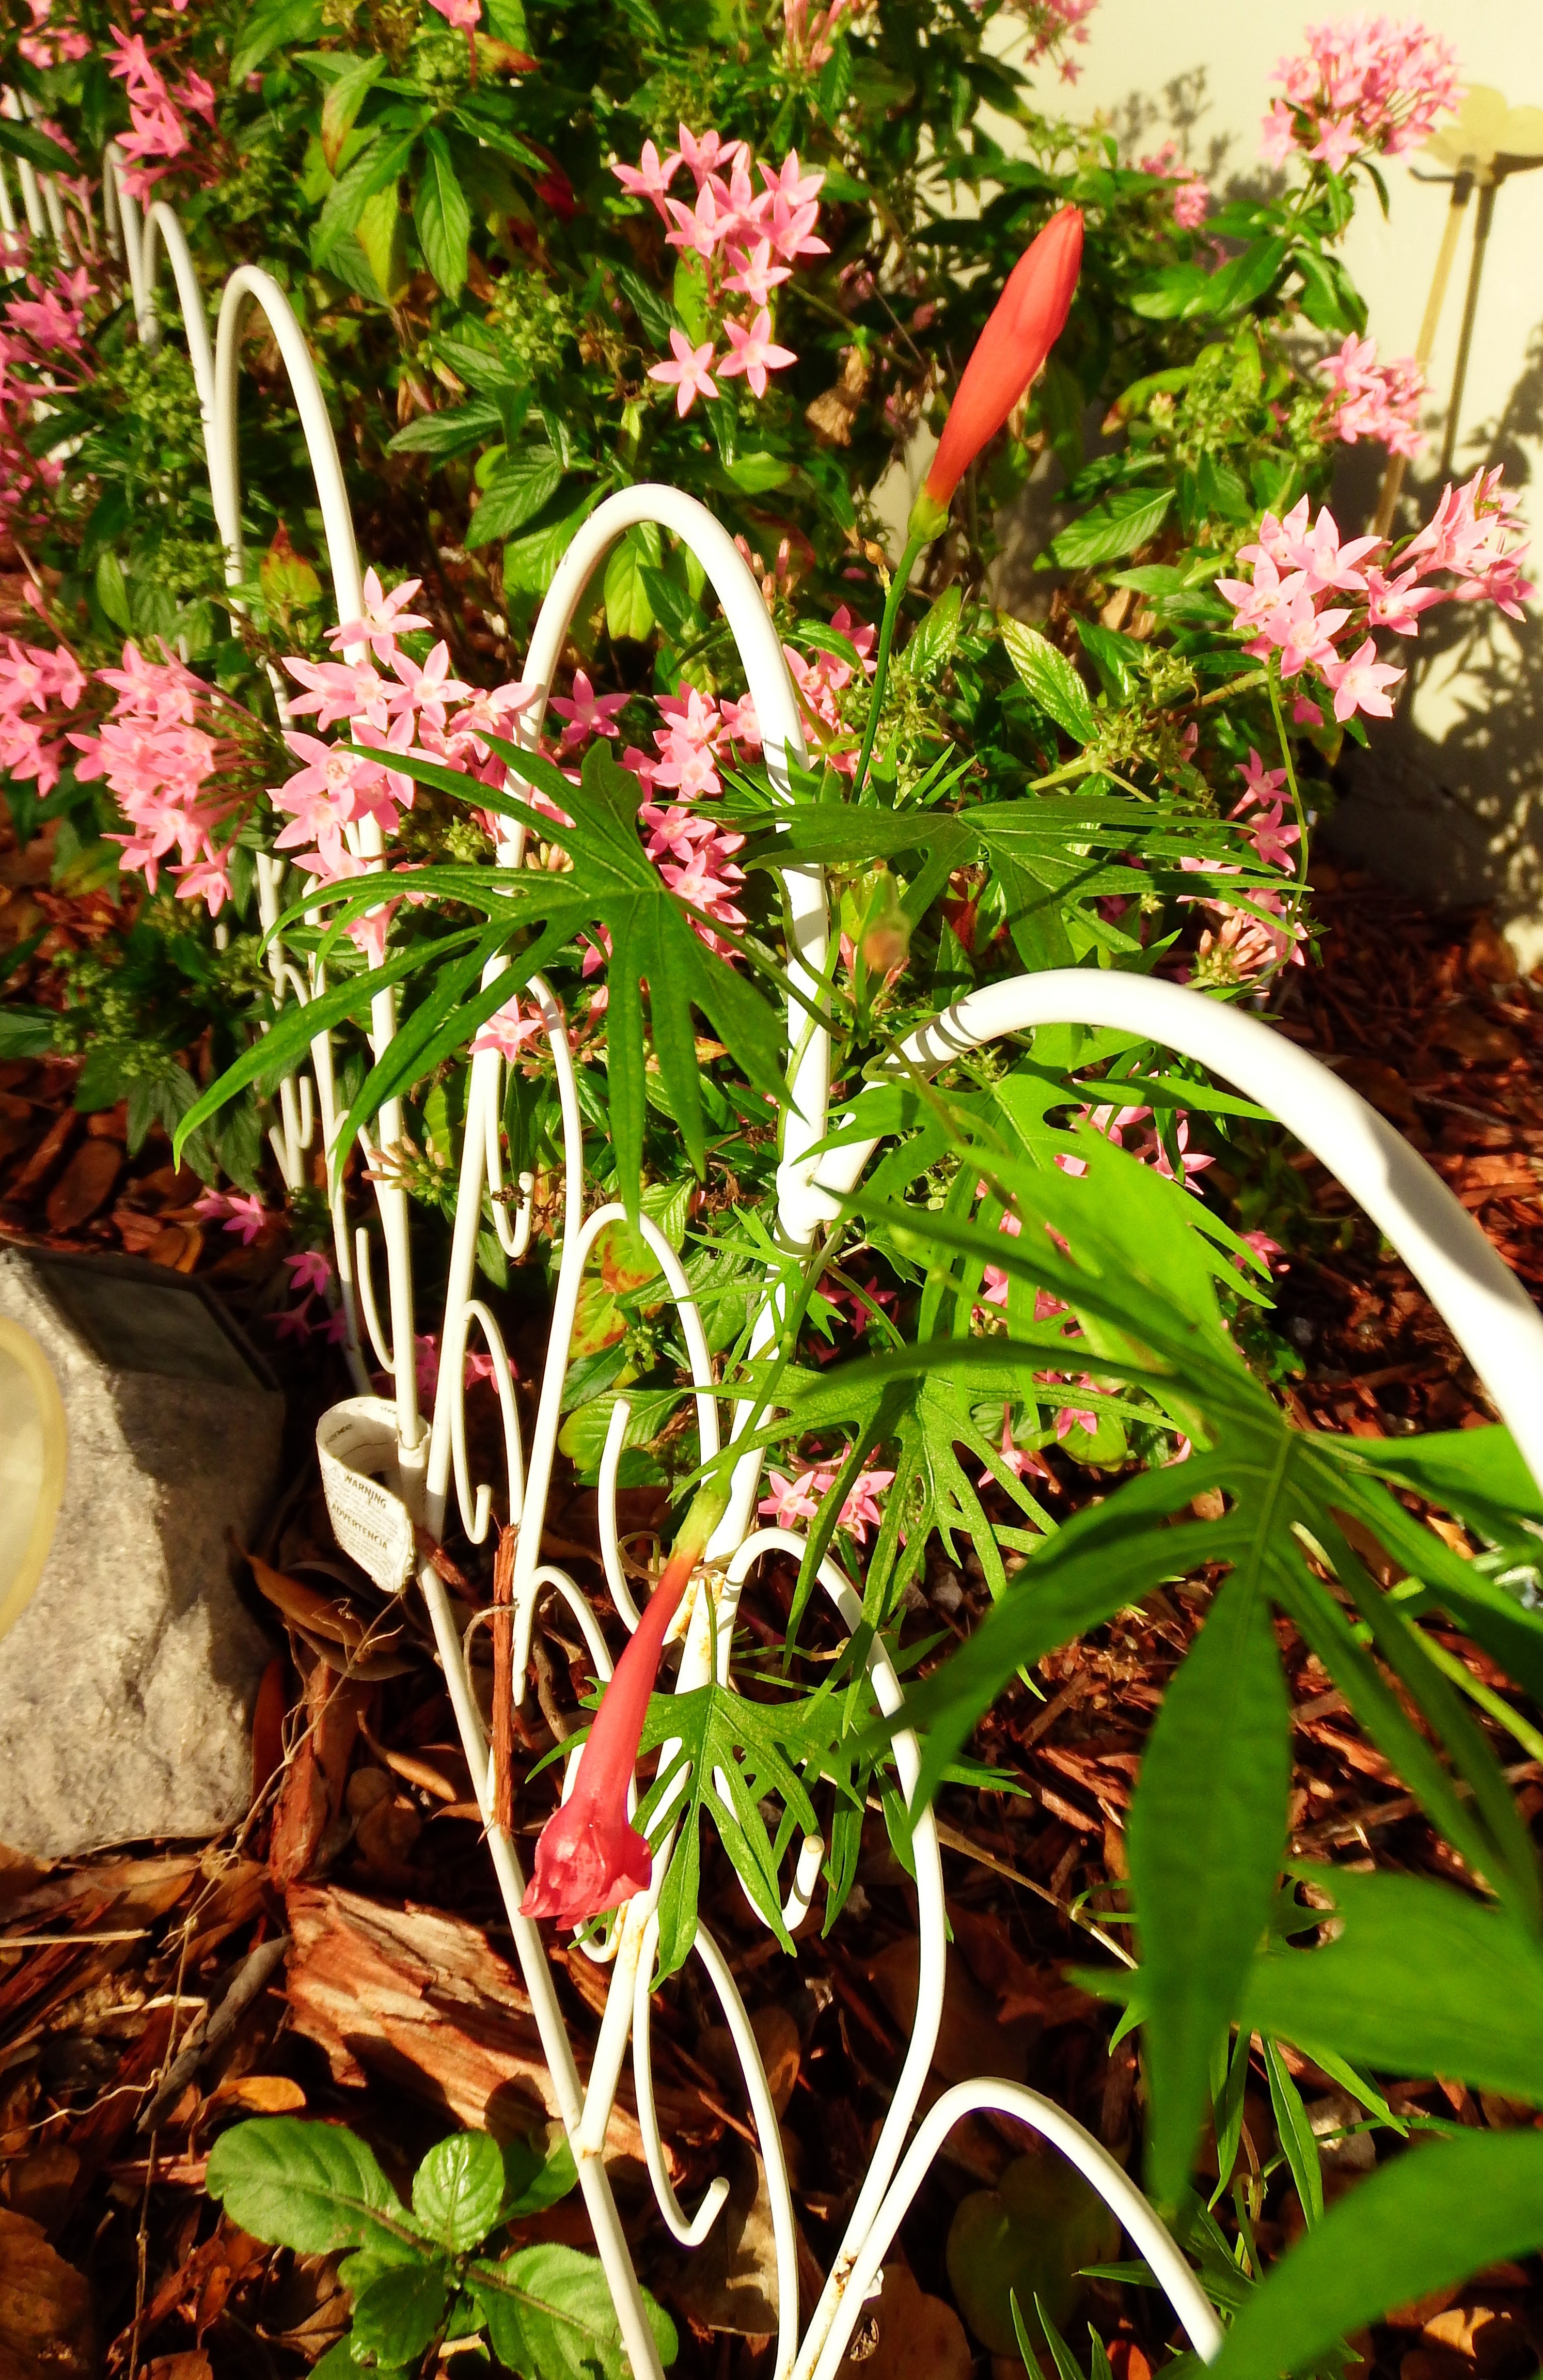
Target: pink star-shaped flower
<point>754,353</point>
<point>691,371</point>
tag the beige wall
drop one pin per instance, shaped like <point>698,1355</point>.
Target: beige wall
<point>1453,800</point>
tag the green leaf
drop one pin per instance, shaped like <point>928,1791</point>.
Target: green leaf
<point>1421,1980</point>
<point>1298,2146</point>
<point>627,610</point>
<point>458,2190</point>
<point>274,25</point>
<point>1123,525</point>
<point>455,431</point>
<point>723,1740</point>
<point>112,592</point>
<point>530,562</point>
<point>1432,2216</point>
<point>533,2179</point>
<point>309,2186</point>
<point>25,140</point>
<point>444,218</point>
<point>1205,1837</point>
<point>399,2313</point>
<point>549,2309</point>
<point>344,96</point>
<point>1237,285</point>
<point>27,1032</point>
<point>376,168</point>
<point>1051,678</point>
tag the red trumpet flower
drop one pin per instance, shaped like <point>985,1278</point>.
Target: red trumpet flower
<point>590,1857</point>
<point>1028,320</point>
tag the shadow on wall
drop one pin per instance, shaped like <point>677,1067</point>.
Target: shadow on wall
<point>1450,805</point>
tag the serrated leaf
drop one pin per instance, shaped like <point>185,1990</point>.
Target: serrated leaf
<point>312,2187</point>
<point>627,610</point>
<point>453,431</point>
<point>443,216</point>
<point>1051,678</point>
<point>344,96</point>
<point>1123,525</point>
<point>523,482</point>
<point>1205,1839</point>
<point>376,168</point>
<point>396,2314</point>
<point>549,2309</point>
<point>459,2189</point>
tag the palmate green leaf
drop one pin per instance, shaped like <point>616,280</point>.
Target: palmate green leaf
<point>458,2190</point>
<point>548,2310</point>
<point>1421,1980</point>
<point>1205,1839</point>
<point>612,884</point>
<point>722,1738</point>
<point>1283,1484</point>
<point>312,2187</point>
<point>1433,2216</point>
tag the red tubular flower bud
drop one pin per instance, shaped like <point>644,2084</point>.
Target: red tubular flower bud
<point>1026,323</point>
<point>590,1857</point>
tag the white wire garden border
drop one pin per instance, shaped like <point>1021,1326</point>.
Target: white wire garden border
<point>426,1459</point>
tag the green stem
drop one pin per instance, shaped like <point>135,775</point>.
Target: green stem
<point>1272,672</point>
<point>898,585</point>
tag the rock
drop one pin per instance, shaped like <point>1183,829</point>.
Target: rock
<point>138,1433</point>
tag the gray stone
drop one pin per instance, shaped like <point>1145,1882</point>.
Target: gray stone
<point>128,1674</point>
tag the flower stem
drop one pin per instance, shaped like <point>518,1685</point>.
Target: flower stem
<point>898,585</point>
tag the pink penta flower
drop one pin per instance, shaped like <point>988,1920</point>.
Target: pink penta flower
<point>754,352</point>
<point>246,1215</point>
<point>1360,683</point>
<point>587,712</point>
<point>691,370</point>
<point>754,276</point>
<point>860,1512</point>
<point>507,1032</point>
<point>652,177</point>
<point>792,1501</point>
<point>310,1270</point>
<point>384,618</point>
<point>464,15</point>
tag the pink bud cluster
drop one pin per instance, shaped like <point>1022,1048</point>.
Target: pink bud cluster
<point>1377,401</point>
<point>1367,87</point>
<point>160,133</point>
<point>812,40</point>
<point>799,1498</point>
<point>1310,596</point>
<point>749,241</point>
<point>180,778</point>
<point>1191,190</point>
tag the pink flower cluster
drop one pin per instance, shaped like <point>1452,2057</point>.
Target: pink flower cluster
<point>43,347</point>
<point>812,40</point>
<point>749,241</point>
<point>1310,596</point>
<point>799,1498</point>
<point>158,115</point>
<point>1367,87</point>
<point>1377,401</point>
<point>50,44</point>
<point>1191,191</point>
<point>823,682</point>
<point>392,705</point>
<point>1243,946</point>
<point>35,687</point>
<point>179,781</point>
